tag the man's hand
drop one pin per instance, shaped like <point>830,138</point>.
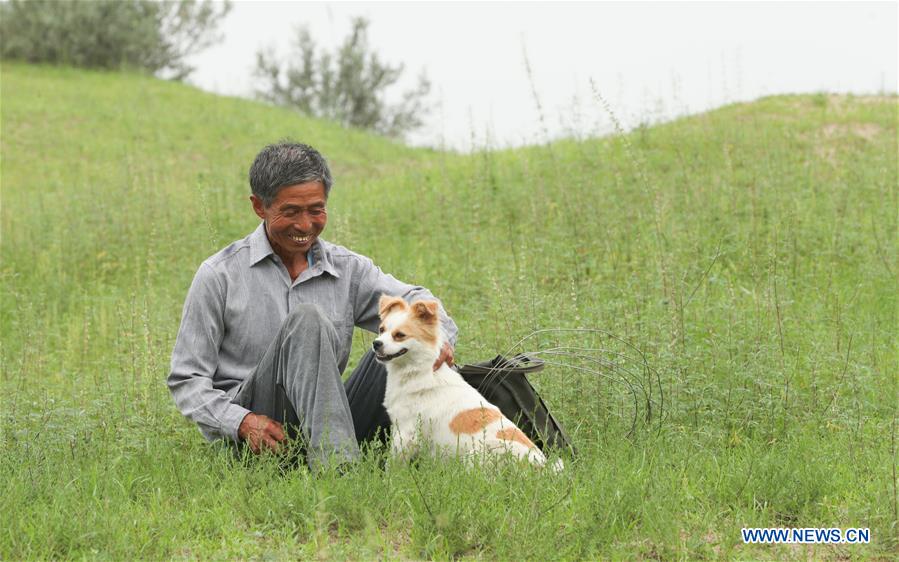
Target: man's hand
<point>446,356</point>
<point>261,432</point>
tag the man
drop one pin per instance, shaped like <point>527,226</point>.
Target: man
<point>268,323</point>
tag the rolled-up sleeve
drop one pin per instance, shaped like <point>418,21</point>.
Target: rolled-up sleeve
<point>195,359</point>
<point>372,283</point>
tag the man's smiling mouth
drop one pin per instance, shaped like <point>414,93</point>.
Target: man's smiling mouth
<point>300,239</point>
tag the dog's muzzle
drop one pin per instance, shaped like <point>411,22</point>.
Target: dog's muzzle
<point>378,346</point>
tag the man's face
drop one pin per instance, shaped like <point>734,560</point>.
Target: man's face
<point>295,218</point>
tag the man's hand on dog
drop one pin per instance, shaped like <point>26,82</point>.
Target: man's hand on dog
<point>261,432</point>
<point>446,356</point>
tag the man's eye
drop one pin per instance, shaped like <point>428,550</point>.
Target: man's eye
<point>317,212</point>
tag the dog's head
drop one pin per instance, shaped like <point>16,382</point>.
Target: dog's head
<point>408,334</point>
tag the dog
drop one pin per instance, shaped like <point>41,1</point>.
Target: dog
<point>437,411</point>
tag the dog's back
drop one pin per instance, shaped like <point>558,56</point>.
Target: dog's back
<point>452,417</point>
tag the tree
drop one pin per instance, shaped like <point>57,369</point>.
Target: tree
<point>348,85</point>
<point>139,34</point>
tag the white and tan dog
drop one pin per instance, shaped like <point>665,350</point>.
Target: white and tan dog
<point>437,410</point>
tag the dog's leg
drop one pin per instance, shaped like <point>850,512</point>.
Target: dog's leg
<point>511,440</point>
<point>531,454</point>
<point>534,456</point>
<point>403,444</point>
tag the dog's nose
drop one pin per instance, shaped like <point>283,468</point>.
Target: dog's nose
<point>377,345</point>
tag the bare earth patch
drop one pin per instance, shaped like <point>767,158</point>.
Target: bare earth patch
<point>836,104</point>
<point>828,138</point>
<point>867,131</point>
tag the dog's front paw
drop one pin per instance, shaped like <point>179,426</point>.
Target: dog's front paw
<point>402,446</point>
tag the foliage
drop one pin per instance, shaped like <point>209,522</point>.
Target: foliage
<point>750,252</point>
<point>150,35</point>
<point>349,85</point>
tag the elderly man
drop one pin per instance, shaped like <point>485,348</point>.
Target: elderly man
<point>268,324</point>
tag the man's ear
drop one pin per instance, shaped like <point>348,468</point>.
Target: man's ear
<point>426,310</point>
<point>388,303</point>
<point>258,207</point>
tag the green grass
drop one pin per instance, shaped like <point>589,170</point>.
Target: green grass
<point>749,253</point>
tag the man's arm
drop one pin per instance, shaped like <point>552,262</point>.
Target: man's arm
<point>373,283</point>
<point>196,358</point>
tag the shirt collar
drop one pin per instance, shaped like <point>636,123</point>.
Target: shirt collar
<point>321,258</point>
<point>260,248</point>
<point>259,245</point>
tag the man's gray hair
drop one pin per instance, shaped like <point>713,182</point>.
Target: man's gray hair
<point>284,164</point>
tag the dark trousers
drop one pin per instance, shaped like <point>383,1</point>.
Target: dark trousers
<point>365,392</point>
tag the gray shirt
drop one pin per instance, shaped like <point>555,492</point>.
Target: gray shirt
<point>236,304</point>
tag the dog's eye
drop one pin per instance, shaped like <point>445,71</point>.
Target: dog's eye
<point>399,336</point>
<point>380,329</point>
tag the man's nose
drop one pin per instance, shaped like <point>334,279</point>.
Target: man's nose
<point>377,345</point>
<point>304,223</point>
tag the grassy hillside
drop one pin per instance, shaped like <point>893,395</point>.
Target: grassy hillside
<point>748,253</point>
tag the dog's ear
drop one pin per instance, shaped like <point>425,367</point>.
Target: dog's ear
<point>388,303</point>
<point>425,310</point>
